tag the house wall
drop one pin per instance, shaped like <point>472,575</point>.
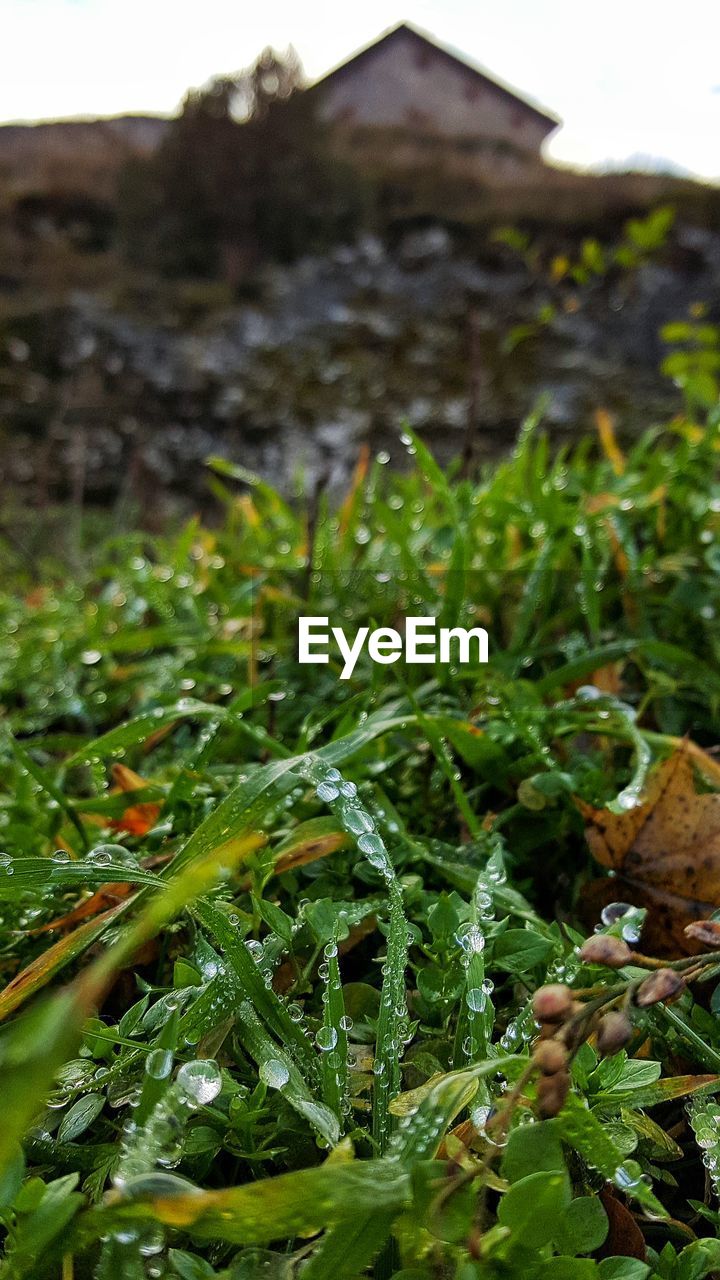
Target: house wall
<point>406,84</point>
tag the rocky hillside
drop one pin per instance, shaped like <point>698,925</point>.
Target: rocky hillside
<point>82,155</point>
<point>336,351</point>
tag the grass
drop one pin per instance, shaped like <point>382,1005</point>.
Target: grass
<point>271,939</point>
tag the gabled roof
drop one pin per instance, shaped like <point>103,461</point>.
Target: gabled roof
<point>427,41</point>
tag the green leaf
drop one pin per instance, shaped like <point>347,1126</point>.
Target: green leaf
<point>140,729</point>
<point>587,1135</point>
<point>519,950</point>
<point>533,1148</point>
<point>566,1269</point>
<point>301,1202</point>
<point>36,1231</point>
<point>275,919</point>
<point>583,1227</point>
<point>623,1269</point>
<point>532,1207</point>
<point>280,1071</point>
<point>80,1116</point>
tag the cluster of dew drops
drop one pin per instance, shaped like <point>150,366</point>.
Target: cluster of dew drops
<point>103,855</point>
<point>704,1117</point>
<point>159,1140</point>
<point>355,819</point>
<point>333,788</point>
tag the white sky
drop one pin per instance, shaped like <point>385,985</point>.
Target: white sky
<point>628,77</point>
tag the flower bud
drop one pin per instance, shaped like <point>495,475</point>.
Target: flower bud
<point>550,1056</point>
<point>552,1003</point>
<point>613,1033</point>
<point>551,1094</point>
<point>602,948</point>
<point>664,984</point>
<point>705,931</point>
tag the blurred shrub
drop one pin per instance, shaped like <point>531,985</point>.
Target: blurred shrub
<point>245,174</point>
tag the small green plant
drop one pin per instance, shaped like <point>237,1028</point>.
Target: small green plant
<point>301,974</point>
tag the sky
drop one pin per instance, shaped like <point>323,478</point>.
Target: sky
<point>629,78</point>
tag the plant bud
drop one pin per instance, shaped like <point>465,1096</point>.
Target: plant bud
<point>550,1056</point>
<point>664,984</point>
<point>551,1094</point>
<point>602,948</point>
<point>552,1003</point>
<point>613,1033</point>
<point>705,931</point>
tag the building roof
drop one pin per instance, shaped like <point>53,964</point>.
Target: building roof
<point>427,41</point>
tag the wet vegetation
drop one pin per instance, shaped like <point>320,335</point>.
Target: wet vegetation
<point>413,974</point>
<point>302,975</point>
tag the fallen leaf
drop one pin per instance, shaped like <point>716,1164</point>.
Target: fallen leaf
<point>665,852</point>
<point>126,779</point>
<point>108,896</point>
<point>624,1238</point>
<point>137,820</point>
<point>318,837</point>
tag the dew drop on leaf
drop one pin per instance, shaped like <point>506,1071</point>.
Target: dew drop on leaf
<point>274,1073</point>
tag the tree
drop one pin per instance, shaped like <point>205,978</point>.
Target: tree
<point>245,173</point>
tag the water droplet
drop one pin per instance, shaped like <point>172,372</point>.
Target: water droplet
<point>326,1038</point>
<point>158,1064</point>
<point>471,939</point>
<point>357,821</point>
<point>101,857</point>
<point>372,845</point>
<point>614,911</point>
<point>274,1073</point>
<point>327,791</point>
<point>475,999</point>
<point>200,1082</point>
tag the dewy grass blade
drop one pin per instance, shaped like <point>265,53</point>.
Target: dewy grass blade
<point>476,1017</point>
<point>443,758</point>
<point>269,1006</point>
<point>291,1204</point>
<point>279,1071</point>
<point>332,1037</point>
<point>141,728</point>
<point>32,1049</point>
<point>23,875</point>
<point>392,1022</point>
<point>55,792</point>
